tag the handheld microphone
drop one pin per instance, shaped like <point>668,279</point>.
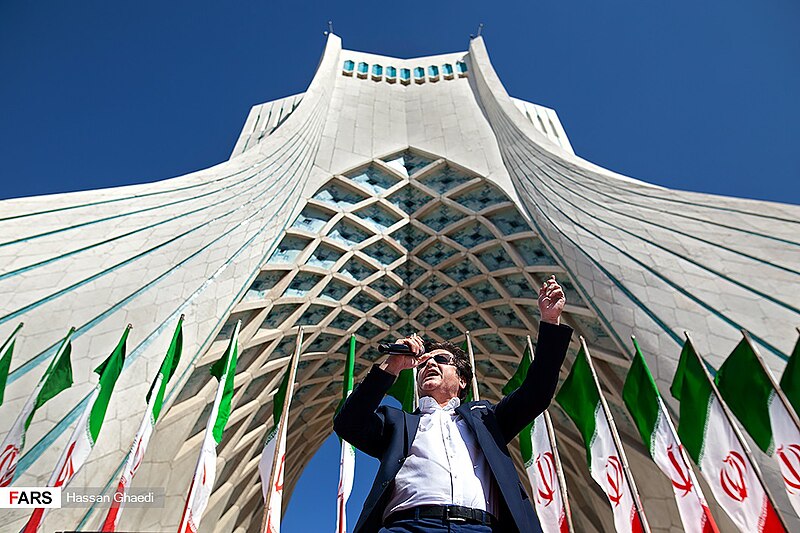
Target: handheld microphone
<point>395,349</point>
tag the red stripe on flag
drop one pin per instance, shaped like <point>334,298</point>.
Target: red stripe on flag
<point>187,514</point>
<point>563,527</point>
<point>341,515</point>
<point>772,524</point>
<point>34,522</point>
<point>110,523</point>
<point>709,525</point>
<point>636,523</point>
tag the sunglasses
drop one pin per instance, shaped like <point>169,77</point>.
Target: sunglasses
<point>439,358</point>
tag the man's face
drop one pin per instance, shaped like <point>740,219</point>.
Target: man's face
<point>439,378</point>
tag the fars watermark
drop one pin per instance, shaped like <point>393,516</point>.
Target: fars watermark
<point>30,497</point>
<point>57,498</point>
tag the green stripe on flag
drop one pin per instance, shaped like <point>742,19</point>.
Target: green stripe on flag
<point>279,398</point>
<point>747,390</point>
<point>790,381</point>
<point>57,377</point>
<point>694,392</point>
<point>402,390</point>
<point>109,370</point>
<point>526,444</point>
<point>225,368</point>
<point>579,398</point>
<point>349,367</point>
<point>168,366</point>
<point>347,378</point>
<point>640,395</point>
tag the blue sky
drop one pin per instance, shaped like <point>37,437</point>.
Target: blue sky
<point>690,95</point>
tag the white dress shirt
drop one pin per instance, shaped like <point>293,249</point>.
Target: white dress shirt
<point>445,465</point>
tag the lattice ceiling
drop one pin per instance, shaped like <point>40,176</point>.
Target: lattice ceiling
<point>402,244</point>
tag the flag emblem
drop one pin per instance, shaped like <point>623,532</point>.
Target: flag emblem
<point>8,464</point>
<point>68,470</point>
<point>684,480</point>
<point>546,466</point>
<point>731,476</point>
<point>614,475</point>
<point>790,465</point>
<point>279,479</point>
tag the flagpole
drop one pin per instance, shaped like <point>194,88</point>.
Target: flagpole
<point>736,431</point>
<point>775,385</point>
<point>281,422</point>
<point>617,442</point>
<point>551,435</point>
<point>475,394</point>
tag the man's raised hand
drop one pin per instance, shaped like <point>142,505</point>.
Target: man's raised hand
<point>396,363</point>
<point>551,301</point>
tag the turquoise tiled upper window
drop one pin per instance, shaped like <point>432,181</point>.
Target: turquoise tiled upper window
<point>405,74</point>
<point>391,72</point>
<point>433,71</point>
<point>362,67</point>
<point>419,72</point>
<point>461,67</point>
<point>377,70</point>
<point>447,69</point>
<point>348,65</point>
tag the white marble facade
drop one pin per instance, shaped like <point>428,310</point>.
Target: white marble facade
<point>378,204</point>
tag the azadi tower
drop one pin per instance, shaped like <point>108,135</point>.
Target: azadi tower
<point>394,195</point>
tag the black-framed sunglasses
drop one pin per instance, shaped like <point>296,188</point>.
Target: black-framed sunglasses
<point>440,359</point>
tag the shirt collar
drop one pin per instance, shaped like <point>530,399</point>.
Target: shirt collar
<point>428,405</point>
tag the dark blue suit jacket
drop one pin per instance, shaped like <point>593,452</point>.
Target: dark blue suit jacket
<point>387,433</point>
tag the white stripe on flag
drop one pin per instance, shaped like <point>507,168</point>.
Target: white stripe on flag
<point>543,475</point>
<point>608,471</point>
<point>347,463</point>
<point>667,454</point>
<point>786,438</point>
<point>730,474</point>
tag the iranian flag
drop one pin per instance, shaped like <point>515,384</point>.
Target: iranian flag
<point>790,381</point>
<point>710,439</point>
<point>273,457</point>
<point>650,415</point>
<point>206,470</point>
<point>763,411</point>
<point>55,379</point>
<point>542,463</point>
<point>88,428</point>
<point>580,397</point>
<point>347,460</point>
<point>142,438</point>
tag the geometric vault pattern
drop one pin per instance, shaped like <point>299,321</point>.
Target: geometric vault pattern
<point>405,243</point>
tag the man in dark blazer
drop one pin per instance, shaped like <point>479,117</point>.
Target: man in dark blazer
<point>447,467</point>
